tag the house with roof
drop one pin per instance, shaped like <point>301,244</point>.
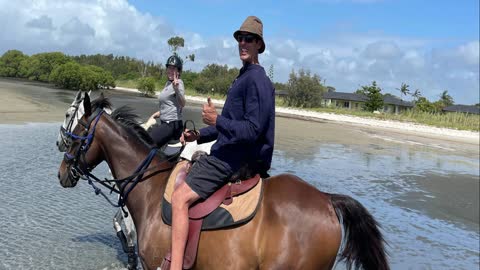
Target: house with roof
<point>468,109</point>
<point>353,101</point>
<point>393,104</point>
<point>350,101</point>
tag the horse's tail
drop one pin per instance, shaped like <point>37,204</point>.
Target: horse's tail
<point>364,245</point>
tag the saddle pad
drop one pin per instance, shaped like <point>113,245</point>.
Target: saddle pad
<point>241,210</point>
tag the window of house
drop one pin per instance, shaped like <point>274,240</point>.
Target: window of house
<point>346,104</point>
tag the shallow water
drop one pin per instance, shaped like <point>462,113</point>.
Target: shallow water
<point>425,193</point>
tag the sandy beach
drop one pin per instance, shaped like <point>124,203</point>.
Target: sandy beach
<point>392,126</point>
<point>18,108</point>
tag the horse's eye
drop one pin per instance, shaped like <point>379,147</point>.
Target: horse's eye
<point>67,115</point>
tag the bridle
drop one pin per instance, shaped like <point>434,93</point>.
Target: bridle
<point>78,168</point>
<point>76,162</point>
<point>67,140</point>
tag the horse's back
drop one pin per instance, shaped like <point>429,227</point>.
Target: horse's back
<point>295,227</point>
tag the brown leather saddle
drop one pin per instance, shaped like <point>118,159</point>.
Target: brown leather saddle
<point>234,204</point>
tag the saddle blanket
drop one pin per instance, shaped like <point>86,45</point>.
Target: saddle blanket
<point>240,211</point>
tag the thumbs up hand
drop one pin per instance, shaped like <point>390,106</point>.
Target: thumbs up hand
<point>209,113</point>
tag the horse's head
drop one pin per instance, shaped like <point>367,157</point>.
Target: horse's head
<point>73,113</point>
<point>81,152</point>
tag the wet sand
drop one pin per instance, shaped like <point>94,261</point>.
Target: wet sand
<point>17,108</point>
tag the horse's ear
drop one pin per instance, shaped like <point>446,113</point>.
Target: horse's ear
<point>86,105</point>
<point>79,95</point>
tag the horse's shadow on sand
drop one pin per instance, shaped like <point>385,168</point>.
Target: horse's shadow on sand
<point>109,240</point>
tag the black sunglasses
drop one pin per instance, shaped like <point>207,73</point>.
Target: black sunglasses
<point>248,38</point>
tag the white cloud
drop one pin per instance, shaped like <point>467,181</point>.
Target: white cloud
<point>43,22</point>
<point>345,60</point>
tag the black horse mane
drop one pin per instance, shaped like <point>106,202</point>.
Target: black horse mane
<point>101,103</point>
<point>130,121</point>
<point>126,118</point>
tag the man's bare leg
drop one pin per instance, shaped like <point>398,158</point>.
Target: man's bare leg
<point>182,198</point>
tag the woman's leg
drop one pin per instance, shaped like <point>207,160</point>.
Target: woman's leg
<point>162,134</point>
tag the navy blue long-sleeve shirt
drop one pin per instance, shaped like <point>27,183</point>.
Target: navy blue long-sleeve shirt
<point>245,129</point>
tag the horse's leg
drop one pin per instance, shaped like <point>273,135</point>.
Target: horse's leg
<point>131,240</point>
<point>154,241</point>
<point>127,240</point>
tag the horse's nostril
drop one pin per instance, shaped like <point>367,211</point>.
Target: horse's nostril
<point>58,175</point>
<point>56,143</point>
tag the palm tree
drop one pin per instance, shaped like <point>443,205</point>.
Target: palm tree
<point>404,89</point>
<point>446,99</point>
<point>416,94</point>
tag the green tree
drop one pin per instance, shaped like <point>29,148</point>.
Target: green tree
<point>270,72</point>
<point>175,42</point>
<point>304,90</point>
<point>215,78</point>
<point>190,57</point>
<point>178,42</point>
<point>446,99</point>
<point>146,85</point>
<point>416,95</point>
<point>10,63</point>
<point>374,97</point>
<point>279,86</point>
<point>39,66</point>
<point>331,89</point>
<point>423,105</point>
<point>68,76</point>
<point>404,90</point>
<point>72,75</point>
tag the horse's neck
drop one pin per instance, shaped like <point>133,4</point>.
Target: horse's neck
<point>123,155</point>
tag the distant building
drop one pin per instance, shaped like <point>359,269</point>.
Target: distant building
<point>281,93</point>
<point>355,101</point>
<point>343,100</point>
<point>393,104</point>
<point>470,109</point>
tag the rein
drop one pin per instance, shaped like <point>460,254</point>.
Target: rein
<point>83,171</point>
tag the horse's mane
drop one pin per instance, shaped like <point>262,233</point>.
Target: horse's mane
<point>125,117</point>
<point>101,103</point>
<point>129,120</point>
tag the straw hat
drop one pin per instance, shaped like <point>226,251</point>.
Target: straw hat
<point>254,26</point>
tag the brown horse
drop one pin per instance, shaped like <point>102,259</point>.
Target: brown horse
<point>296,226</point>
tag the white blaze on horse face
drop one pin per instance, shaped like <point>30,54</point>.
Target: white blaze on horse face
<point>77,102</point>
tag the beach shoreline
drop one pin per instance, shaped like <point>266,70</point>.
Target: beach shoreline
<point>407,128</point>
<point>16,108</point>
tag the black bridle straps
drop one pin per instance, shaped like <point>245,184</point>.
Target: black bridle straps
<point>82,170</point>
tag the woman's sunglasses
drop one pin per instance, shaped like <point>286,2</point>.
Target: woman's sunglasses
<point>246,37</point>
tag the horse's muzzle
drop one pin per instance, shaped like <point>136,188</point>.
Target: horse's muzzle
<point>68,179</point>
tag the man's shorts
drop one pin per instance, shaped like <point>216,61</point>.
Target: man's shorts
<point>207,175</point>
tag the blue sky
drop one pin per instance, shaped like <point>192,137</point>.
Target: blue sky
<point>430,45</point>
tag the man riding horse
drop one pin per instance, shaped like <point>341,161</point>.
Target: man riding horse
<point>244,133</point>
